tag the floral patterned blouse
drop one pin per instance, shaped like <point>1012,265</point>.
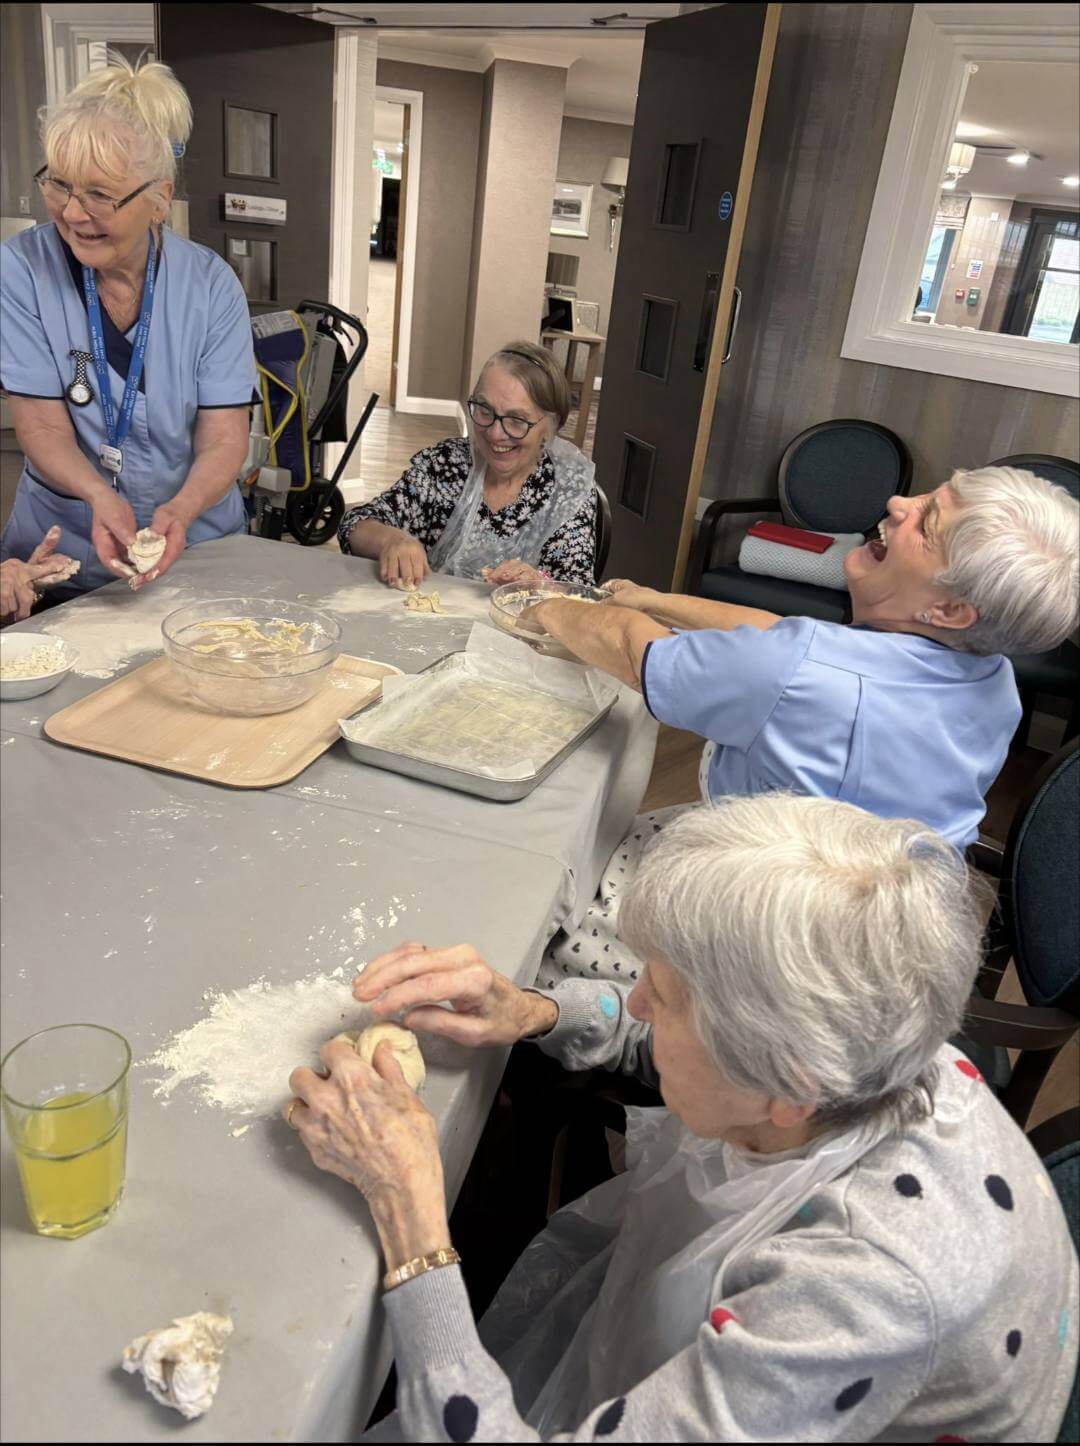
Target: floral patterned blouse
<point>422,501</point>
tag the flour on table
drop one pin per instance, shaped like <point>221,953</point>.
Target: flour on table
<point>458,598</point>
<point>240,1055</point>
<point>110,630</point>
<point>181,1363</point>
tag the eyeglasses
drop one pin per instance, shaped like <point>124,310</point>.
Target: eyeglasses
<point>95,203</point>
<point>514,426</point>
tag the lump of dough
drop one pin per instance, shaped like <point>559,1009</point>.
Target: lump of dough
<point>402,1041</point>
<point>145,552</point>
<point>423,602</point>
<point>181,1363</point>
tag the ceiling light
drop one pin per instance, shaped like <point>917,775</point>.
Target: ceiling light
<point>1070,180</point>
<point>1018,158</point>
<point>948,185</point>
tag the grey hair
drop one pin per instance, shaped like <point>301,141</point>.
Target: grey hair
<point>1013,552</point>
<point>827,953</point>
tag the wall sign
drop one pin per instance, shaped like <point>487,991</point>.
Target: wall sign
<point>974,270</point>
<point>262,210</point>
<point>726,205</point>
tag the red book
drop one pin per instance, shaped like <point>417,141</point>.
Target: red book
<point>791,536</point>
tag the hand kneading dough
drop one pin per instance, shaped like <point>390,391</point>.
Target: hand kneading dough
<point>402,1041</point>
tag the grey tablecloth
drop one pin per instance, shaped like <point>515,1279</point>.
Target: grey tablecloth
<point>127,893</point>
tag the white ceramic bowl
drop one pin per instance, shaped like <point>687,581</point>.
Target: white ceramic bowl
<point>14,646</point>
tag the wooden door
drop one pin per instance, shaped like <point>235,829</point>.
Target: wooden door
<point>260,63</point>
<point>701,98</point>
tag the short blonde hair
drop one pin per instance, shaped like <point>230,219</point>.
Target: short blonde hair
<point>539,373</point>
<point>1013,552</point>
<point>126,120</point>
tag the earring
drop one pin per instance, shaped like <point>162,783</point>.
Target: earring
<point>922,617</point>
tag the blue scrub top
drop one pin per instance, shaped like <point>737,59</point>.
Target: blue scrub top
<point>891,722</point>
<point>199,355</point>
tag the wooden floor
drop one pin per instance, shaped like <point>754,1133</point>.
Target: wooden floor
<point>675,780</point>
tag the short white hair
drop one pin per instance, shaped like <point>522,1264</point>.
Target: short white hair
<point>1013,552</point>
<point>827,953</point>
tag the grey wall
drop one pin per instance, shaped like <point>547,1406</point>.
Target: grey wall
<point>22,92</point>
<point>829,108</point>
<point>584,152</point>
<point>451,136</point>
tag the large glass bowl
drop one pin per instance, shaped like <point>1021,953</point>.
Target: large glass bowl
<point>510,600</point>
<point>251,656</point>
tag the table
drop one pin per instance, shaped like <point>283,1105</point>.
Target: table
<point>592,341</point>
<point>127,894</point>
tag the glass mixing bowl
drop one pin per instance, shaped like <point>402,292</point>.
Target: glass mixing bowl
<point>251,656</point>
<point>512,598</point>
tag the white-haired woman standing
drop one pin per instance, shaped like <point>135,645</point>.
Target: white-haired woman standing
<point>125,350</point>
<point>833,1232</point>
<point>907,711</point>
<point>509,502</point>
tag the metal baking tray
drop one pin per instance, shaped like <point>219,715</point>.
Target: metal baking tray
<point>462,780</point>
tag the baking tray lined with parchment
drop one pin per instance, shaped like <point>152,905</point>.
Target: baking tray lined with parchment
<point>495,726</point>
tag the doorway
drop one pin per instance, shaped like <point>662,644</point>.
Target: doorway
<point>384,290</point>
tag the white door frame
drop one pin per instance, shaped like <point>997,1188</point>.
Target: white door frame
<point>64,27</point>
<point>406,402</point>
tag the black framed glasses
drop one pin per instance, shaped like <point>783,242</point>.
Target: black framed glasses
<point>94,203</point>
<point>486,416</point>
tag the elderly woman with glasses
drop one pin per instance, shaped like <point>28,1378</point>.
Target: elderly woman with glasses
<point>832,1232</point>
<point>125,350</point>
<point>510,502</point>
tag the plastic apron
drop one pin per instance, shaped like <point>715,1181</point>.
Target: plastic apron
<point>466,546</point>
<point>642,1260</point>
<point>159,449</point>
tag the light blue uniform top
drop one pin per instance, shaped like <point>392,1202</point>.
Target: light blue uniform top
<point>199,355</point>
<point>891,722</point>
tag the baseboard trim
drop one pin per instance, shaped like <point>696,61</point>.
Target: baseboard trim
<point>429,406</point>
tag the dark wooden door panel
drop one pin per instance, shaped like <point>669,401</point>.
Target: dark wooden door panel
<point>263,60</point>
<point>700,75</point>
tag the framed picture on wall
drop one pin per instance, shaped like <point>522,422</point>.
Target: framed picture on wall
<point>570,209</point>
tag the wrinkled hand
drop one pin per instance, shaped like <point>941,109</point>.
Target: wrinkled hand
<point>366,1125</point>
<point>112,529</point>
<point>20,581</point>
<point>171,524</point>
<point>622,593</point>
<point>403,562</point>
<point>513,571</point>
<point>486,1009</point>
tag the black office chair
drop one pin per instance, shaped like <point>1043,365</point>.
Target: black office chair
<point>1056,673</point>
<point>1036,923</point>
<point>603,532</point>
<point>835,477</point>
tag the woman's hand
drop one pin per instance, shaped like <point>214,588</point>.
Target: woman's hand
<point>513,571</point>
<point>171,523</point>
<point>622,593</point>
<point>402,561</point>
<point>363,1123</point>
<point>20,581</point>
<point>112,529</point>
<point>486,1009</point>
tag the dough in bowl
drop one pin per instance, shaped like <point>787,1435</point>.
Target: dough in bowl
<point>402,1041</point>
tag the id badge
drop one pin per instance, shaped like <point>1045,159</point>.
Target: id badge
<point>112,459</point>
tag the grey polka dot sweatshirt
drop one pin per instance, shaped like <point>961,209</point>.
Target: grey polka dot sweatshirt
<point>927,1294</point>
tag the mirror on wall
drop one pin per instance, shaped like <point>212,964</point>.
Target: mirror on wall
<point>1004,249</point>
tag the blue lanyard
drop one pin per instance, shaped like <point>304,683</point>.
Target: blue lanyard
<point>117,429</point>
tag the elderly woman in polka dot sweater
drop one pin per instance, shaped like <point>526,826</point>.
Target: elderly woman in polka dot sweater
<point>833,1232</point>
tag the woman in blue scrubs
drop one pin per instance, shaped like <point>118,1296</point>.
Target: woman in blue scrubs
<point>125,350</point>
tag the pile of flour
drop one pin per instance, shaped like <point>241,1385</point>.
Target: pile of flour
<point>110,630</point>
<point>458,598</point>
<point>240,1055</point>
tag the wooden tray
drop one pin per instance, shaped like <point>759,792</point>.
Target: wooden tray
<point>145,718</point>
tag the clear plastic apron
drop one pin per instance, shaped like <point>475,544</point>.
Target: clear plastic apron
<point>685,1210</point>
<point>466,546</point>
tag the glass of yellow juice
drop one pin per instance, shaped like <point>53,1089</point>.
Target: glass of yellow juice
<point>65,1097</point>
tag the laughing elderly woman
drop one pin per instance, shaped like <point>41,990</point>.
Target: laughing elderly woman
<point>907,712</point>
<point>507,503</point>
<point>833,1231</point>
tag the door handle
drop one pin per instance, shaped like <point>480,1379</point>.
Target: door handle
<point>733,326</point>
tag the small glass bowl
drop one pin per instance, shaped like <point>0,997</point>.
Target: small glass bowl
<point>512,598</point>
<point>243,675</point>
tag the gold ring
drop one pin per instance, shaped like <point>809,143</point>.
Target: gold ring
<point>288,1113</point>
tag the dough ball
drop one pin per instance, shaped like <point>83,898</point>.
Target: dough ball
<point>402,1041</point>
